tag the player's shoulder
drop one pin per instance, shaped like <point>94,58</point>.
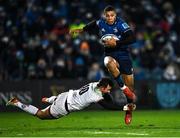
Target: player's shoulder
<point>93,85</point>
<point>122,24</point>
<point>120,21</point>
<point>100,21</point>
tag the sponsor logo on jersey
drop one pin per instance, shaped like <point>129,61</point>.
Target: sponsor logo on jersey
<point>125,25</point>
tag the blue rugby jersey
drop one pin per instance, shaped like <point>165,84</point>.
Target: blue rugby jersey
<point>120,28</point>
<point>117,29</point>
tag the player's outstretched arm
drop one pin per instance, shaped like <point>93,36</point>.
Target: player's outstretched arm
<point>109,103</point>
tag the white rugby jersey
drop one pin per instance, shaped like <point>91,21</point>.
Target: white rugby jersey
<point>83,97</point>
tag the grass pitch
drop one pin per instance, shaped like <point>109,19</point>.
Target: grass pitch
<point>93,124</point>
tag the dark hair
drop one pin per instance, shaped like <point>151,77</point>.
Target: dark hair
<point>109,8</point>
<point>104,82</point>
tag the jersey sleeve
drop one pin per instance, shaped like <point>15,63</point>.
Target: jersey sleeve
<point>123,27</point>
<point>108,103</point>
<point>127,35</point>
<point>93,25</point>
<point>127,38</point>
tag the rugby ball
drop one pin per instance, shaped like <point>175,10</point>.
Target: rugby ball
<point>107,37</point>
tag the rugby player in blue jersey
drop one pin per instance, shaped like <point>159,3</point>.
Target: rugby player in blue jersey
<point>116,36</point>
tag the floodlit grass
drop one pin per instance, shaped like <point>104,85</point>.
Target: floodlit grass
<point>93,124</point>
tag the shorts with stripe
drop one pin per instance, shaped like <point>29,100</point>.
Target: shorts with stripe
<point>57,109</point>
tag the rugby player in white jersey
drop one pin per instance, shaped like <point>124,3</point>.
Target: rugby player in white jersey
<point>73,100</point>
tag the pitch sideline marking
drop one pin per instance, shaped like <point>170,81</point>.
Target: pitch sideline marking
<point>141,134</point>
<point>107,132</point>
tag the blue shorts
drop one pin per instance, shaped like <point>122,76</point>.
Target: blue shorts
<point>124,60</point>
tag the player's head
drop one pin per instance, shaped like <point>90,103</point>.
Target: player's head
<point>105,85</point>
<point>110,14</point>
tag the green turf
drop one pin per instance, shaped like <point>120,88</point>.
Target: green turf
<point>93,124</point>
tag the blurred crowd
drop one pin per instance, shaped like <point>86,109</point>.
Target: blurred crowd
<point>35,44</point>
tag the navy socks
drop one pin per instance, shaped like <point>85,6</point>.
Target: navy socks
<point>119,81</point>
<point>121,84</point>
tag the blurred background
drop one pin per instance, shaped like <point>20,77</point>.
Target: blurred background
<point>39,58</point>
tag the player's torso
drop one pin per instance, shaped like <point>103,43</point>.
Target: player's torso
<point>109,29</point>
<point>81,98</point>
<point>115,29</point>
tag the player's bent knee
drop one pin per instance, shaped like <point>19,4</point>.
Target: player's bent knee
<point>42,115</point>
<point>108,62</point>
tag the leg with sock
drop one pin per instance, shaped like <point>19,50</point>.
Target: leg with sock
<point>128,93</point>
<point>42,114</point>
<point>49,100</point>
<point>113,67</point>
<point>27,108</point>
<point>130,106</point>
<point>119,81</point>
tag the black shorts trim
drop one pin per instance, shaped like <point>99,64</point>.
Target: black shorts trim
<point>66,106</point>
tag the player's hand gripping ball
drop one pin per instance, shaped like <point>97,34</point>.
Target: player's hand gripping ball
<point>109,40</point>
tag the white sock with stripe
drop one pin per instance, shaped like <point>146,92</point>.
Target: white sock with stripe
<point>27,108</point>
<point>51,99</point>
<point>124,87</point>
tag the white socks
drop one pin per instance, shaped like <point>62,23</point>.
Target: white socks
<point>124,87</point>
<point>32,109</point>
<point>27,108</point>
<point>51,99</point>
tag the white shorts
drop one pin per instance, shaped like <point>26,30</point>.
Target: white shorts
<point>57,109</point>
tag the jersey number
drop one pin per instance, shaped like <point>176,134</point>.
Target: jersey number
<point>84,89</point>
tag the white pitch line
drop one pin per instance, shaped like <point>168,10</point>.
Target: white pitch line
<point>97,132</point>
<point>107,132</point>
<point>140,134</point>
